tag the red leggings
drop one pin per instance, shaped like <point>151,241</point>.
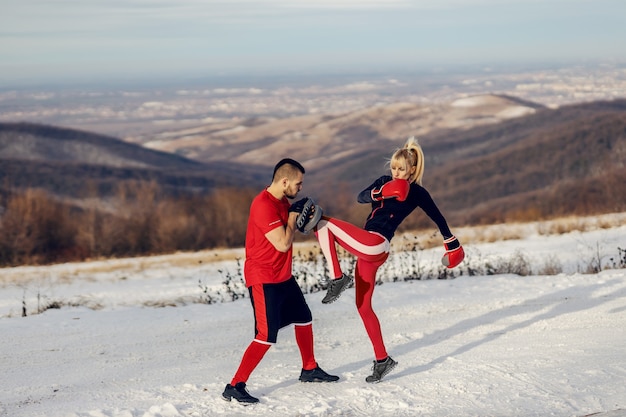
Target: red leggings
<point>371,250</point>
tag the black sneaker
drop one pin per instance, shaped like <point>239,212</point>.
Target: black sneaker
<point>317,375</point>
<point>379,370</point>
<point>239,393</point>
<point>335,288</point>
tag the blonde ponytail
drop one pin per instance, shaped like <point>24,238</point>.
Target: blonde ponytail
<point>413,156</point>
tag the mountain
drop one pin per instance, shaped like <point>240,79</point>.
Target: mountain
<point>553,162</point>
<point>566,161</point>
<point>489,158</point>
<point>344,151</point>
<point>73,163</point>
<point>323,140</point>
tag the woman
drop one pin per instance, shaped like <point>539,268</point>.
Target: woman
<point>392,198</point>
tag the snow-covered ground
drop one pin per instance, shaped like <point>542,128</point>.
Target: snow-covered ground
<point>139,338</point>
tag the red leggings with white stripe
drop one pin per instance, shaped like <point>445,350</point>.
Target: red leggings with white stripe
<point>371,250</point>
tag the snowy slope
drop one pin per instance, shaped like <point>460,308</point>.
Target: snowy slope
<point>487,345</point>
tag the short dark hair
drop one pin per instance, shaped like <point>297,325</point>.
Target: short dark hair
<point>288,161</point>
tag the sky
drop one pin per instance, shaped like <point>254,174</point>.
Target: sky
<point>61,40</point>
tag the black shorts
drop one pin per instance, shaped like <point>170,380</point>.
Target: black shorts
<point>276,306</point>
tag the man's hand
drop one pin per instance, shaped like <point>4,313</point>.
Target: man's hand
<point>298,206</point>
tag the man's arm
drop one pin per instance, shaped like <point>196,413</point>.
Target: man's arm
<point>282,237</point>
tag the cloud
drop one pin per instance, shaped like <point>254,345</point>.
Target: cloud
<point>48,16</point>
<point>148,35</point>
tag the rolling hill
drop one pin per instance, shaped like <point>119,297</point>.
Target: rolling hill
<point>566,161</point>
<point>73,163</point>
<point>554,162</point>
<point>489,158</point>
<point>323,140</point>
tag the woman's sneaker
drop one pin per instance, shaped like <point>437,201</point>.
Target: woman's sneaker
<point>380,369</point>
<point>335,288</point>
<point>238,392</point>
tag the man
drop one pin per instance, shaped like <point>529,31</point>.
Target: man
<point>277,300</point>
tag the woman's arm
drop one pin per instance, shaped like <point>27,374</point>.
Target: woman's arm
<point>427,204</point>
<point>365,196</point>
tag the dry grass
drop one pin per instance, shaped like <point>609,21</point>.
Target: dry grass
<point>407,241</point>
<point>27,274</point>
<point>425,239</point>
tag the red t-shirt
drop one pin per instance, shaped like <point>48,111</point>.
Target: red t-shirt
<point>265,264</point>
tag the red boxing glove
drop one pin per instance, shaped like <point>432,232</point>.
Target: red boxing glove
<point>398,189</point>
<point>454,253</point>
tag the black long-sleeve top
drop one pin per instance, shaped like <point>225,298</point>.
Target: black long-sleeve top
<point>387,214</point>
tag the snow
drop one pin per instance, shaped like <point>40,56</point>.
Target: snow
<point>136,338</point>
<point>515,111</point>
<point>475,101</point>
